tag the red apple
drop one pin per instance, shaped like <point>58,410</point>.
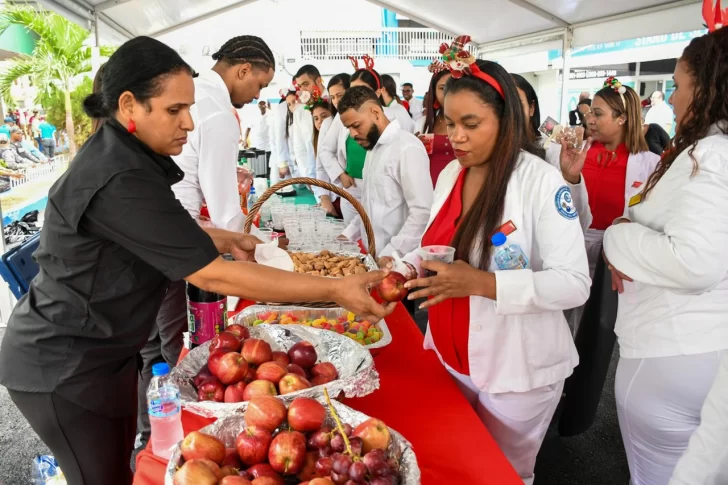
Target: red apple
<point>198,445</point>
<point>256,351</point>
<point>374,433</point>
<point>292,383</point>
<point>303,354</point>
<point>325,369</point>
<point>320,481</point>
<point>287,452</point>
<point>214,467</point>
<point>264,470</point>
<point>195,472</point>
<point>321,380</point>
<point>297,369</point>
<point>231,368</point>
<point>213,361</point>
<point>281,358</point>
<point>235,480</point>
<point>391,288</point>
<point>228,471</point>
<point>225,341</point>
<point>232,459</point>
<point>270,371</point>
<point>308,470</point>
<point>235,392</point>
<point>250,376</point>
<point>211,390</point>
<point>259,388</point>
<point>201,376</point>
<point>266,412</point>
<point>306,414</point>
<point>240,331</point>
<point>252,445</point>
<point>269,481</point>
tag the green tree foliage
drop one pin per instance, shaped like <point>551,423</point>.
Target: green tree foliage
<point>55,108</point>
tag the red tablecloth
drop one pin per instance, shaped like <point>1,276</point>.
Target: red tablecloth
<point>419,399</point>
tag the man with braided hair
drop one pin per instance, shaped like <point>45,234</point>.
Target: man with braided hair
<point>244,66</point>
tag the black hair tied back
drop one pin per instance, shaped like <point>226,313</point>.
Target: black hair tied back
<point>93,105</point>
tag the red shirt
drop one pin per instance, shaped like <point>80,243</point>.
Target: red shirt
<point>442,154</point>
<point>450,320</point>
<point>604,173</point>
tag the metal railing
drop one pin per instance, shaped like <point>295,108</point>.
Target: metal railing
<point>57,165</point>
<point>393,43</point>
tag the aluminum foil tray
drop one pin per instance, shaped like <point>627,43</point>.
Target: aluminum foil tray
<point>250,314</point>
<point>357,375</point>
<point>229,427</point>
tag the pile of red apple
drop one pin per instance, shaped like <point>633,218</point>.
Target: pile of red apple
<point>268,452</point>
<point>240,368</point>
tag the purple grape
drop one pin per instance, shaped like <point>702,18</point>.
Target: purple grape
<point>357,444</point>
<point>319,439</point>
<point>326,452</point>
<point>358,472</point>
<point>337,443</point>
<point>339,479</point>
<point>323,466</point>
<point>383,481</point>
<point>341,465</point>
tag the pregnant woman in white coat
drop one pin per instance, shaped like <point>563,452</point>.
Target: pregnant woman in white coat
<point>669,261</point>
<point>502,334</point>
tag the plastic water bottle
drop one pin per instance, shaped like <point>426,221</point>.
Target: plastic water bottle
<point>508,256</point>
<point>252,198</point>
<point>165,411</point>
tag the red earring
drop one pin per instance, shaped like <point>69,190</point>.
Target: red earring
<point>436,105</point>
<point>131,127</point>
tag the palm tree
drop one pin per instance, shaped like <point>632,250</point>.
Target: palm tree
<point>61,54</point>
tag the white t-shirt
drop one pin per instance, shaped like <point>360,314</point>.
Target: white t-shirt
<point>415,105</point>
<point>660,115</point>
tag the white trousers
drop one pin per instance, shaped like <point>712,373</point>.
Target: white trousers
<point>658,405</point>
<point>347,210</point>
<point>518,421</point>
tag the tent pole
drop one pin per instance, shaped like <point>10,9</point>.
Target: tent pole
<point>565,70</point>
<point>96,28</point>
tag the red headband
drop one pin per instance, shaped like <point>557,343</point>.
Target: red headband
<point>715,18</point>
<point>461,62</point>
<point>368,66</point>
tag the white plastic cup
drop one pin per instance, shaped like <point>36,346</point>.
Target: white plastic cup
<point>445,254</point>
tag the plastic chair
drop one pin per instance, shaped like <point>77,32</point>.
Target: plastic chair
<point>18,268</point>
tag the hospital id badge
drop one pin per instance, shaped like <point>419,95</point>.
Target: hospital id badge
<point>635,200</point>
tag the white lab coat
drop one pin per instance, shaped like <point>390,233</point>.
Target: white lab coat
<point>280,154</point>
<point>397,192</point>
<point>675,251</point>
<point>416,107</point>
<point>303,142</point>
<point>209,159</point>
<point>521,341</point>
<point>321,173</point>
<point>396,111</point>
<point>639,168</point>
<point>705,462</point>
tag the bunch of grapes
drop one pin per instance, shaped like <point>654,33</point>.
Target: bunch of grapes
<point>344,468</point>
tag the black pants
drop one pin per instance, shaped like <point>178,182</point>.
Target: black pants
<point>164,345</point>
<point>91,449</point>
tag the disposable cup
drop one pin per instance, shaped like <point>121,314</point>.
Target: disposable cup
<point>445,254</point>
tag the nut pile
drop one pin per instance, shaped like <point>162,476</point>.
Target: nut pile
<point>327,263</point>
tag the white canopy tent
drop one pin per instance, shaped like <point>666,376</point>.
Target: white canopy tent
<point>508,27</point>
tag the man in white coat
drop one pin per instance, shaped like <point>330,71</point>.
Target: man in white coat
<point>307,79</point>
<point>415,104</point>
<point>397,192</point>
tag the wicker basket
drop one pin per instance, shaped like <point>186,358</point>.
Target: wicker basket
<point>327,186</point>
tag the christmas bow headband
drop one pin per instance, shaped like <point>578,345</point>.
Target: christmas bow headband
<point>613,82</point>
<point>715,18</point>
<point>461,62</point>
<point>368,66</point>
<point>316,99</point>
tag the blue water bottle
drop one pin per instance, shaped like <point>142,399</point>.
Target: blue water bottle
<point>252,198</point>
<point>165,411</point>
<point>508,256</point>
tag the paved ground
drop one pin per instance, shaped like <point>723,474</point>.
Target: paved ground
<point>593,458</point>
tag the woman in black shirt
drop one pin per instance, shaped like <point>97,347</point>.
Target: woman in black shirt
<point>114,235</point>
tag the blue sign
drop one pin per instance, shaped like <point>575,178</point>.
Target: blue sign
<point>630,44</point>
